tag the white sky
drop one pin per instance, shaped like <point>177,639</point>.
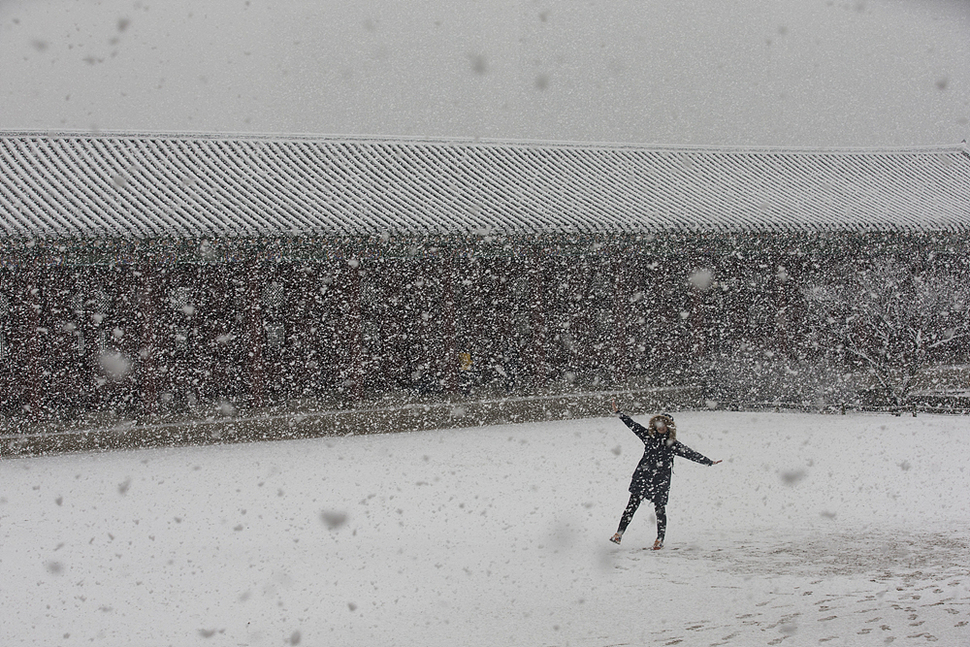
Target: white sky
<point>737,72</point>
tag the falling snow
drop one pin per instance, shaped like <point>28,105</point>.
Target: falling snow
<point>848,528</point>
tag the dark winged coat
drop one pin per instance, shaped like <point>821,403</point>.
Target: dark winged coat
<point>651,479</point>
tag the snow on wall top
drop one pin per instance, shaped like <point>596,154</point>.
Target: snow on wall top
<point>145,186</point>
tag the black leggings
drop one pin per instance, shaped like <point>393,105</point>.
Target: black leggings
<point>631,508</point>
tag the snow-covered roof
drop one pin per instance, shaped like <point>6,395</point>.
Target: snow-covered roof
<point>136,186</point>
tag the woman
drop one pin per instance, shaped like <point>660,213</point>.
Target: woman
<point>651,480</point>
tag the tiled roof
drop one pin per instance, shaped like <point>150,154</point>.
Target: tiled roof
<point>145,186</point>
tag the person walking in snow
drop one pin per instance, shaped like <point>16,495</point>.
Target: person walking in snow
<point>651,479</point>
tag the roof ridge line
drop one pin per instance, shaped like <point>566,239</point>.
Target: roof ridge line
<point>482,141</point>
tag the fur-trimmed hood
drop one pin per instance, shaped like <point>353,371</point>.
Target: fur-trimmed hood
<point>667,420</point>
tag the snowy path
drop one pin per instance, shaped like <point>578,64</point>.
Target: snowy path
<point>814,530</point>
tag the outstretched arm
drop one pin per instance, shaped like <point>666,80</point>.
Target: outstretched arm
<point>635,426</point>
<point>684,451</point>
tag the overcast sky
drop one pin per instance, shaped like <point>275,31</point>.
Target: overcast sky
<point>683,72</point>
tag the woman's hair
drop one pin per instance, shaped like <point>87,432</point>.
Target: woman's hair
<point>668,420</point>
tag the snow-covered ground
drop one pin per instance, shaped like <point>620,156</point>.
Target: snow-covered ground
<point>815,529</point>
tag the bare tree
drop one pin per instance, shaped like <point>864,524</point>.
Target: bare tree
<point>893,317</point>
